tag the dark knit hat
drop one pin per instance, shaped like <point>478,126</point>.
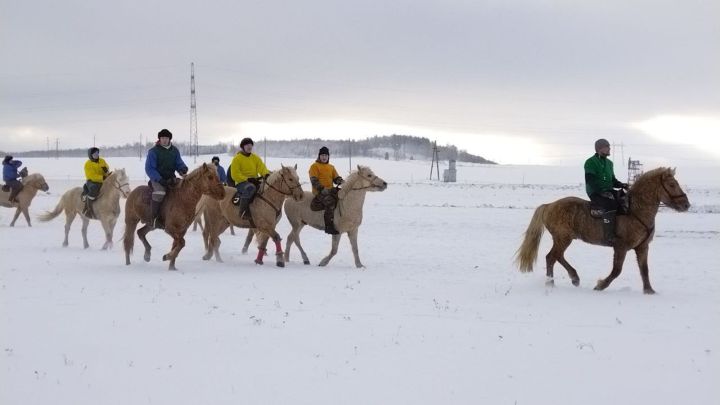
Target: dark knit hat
<point>324,151</point>
<point>7,159</point>
<point>246,141</point>
<point>215,158</point>
<point>164,133</point>
<point>601,143</point>
<point>91,151</point>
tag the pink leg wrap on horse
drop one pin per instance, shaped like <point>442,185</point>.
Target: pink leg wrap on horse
<point>278,247</point>
<point>261,253</point>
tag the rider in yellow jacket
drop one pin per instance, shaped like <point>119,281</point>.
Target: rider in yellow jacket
<point>245,169</point>
<point>96,170</point>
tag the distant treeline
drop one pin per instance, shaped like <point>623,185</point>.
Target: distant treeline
<point>393,147</point>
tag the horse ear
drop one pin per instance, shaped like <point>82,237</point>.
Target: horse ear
<point>358,166</point>
<point>282,166</point>
<point>295,166</point>
<point>673,170</point>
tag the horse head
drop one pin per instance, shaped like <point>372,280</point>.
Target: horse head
<point>291,182</point>
<point>37,181</point>
<point>369,180</point>
<point>670,193</point>
<point>121,181</point>
<point>209,181</point>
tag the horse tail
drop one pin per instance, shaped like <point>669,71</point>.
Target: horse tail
<point>50,215</point>
<point>527,253</point>
<point>128,238</point>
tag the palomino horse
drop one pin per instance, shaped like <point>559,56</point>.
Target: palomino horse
<point>569,218</point>
<point>265,210</point>
<point>178,210</point>
<point>31,184</point>
<point>106,207</point>
<point>348,214</point>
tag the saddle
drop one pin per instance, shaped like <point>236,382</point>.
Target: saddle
<point>623,205</point>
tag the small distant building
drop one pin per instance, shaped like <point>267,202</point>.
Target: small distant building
<point>450,174</point>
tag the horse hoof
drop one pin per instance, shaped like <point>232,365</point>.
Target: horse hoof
<point>280,264</point>
<point>576,282</point>
<point>259,262</point>
<point>65,244</point>
<point>147,257</point>
<point>244,251</point>
<point>206,257</point>
<point>166,257</point>
<point>649,291</point>
<point>306,262</point>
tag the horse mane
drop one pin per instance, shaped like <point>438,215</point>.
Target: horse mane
<point>647,183</point>
<point>273,177</point>
<point>353,177</point>
<point>33,178</point>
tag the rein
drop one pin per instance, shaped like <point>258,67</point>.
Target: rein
<point>261,192</point>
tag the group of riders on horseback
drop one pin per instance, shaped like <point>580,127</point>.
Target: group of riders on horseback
<point>247,170</point>
<point>245,173</point>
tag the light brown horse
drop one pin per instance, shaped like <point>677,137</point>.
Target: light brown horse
<point>569,218</point>
<point>265,210</point>
<point>31,184</point>
<point>178,210</point>
<point>106,207</point>
<point>348,214</point>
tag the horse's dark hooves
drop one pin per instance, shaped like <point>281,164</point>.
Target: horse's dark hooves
<point>306,261</point>
<point>147,258</point>
<point>280,264</point>
<point>649,291</point>
<point>259,262</point>
<point>166,257</point>
<point>576,282</point>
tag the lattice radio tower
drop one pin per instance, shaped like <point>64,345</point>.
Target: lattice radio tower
<point>193,114</point>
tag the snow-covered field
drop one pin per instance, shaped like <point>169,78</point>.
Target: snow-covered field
<point>440,314</point>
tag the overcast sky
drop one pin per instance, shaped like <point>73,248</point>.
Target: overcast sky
<point>513,81</point>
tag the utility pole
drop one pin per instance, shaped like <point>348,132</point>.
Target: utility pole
<point>435,161</point>
<point>47,146</point>
<point>193,112</point>
<point>265,150</point>
<point>57,148</point>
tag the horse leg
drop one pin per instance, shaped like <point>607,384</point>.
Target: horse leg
<point>108,226</point>
<point>294,237</point>
<point>206,231</point>
<point>69,218</point>
<point>248,239</point>
<point>232,232</point>
<point>85,224</point>
<point>618,259</point>
<point>262,248</point>
<point>642,257</point>
<point>278,249</point>
<point>352,235</point>
<point>178,244</point>
<point>17,214</point>
<point>555,252</point>
<point>558,251</point>
<point>333,250</point>
<point>128,238</point>
<point>27,215</point>
<point>141,235</point>
<point>216,241</point>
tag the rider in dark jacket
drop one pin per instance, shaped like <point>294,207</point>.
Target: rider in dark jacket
<point>163,160</point>
<point>600,183</point>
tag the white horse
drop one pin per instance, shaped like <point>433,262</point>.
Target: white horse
<point>348,214</point>
<point>31,185</point>
<point>106,207</point>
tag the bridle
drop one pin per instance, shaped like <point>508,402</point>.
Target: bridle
<point>120,186</point>
<point>287,184</point>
